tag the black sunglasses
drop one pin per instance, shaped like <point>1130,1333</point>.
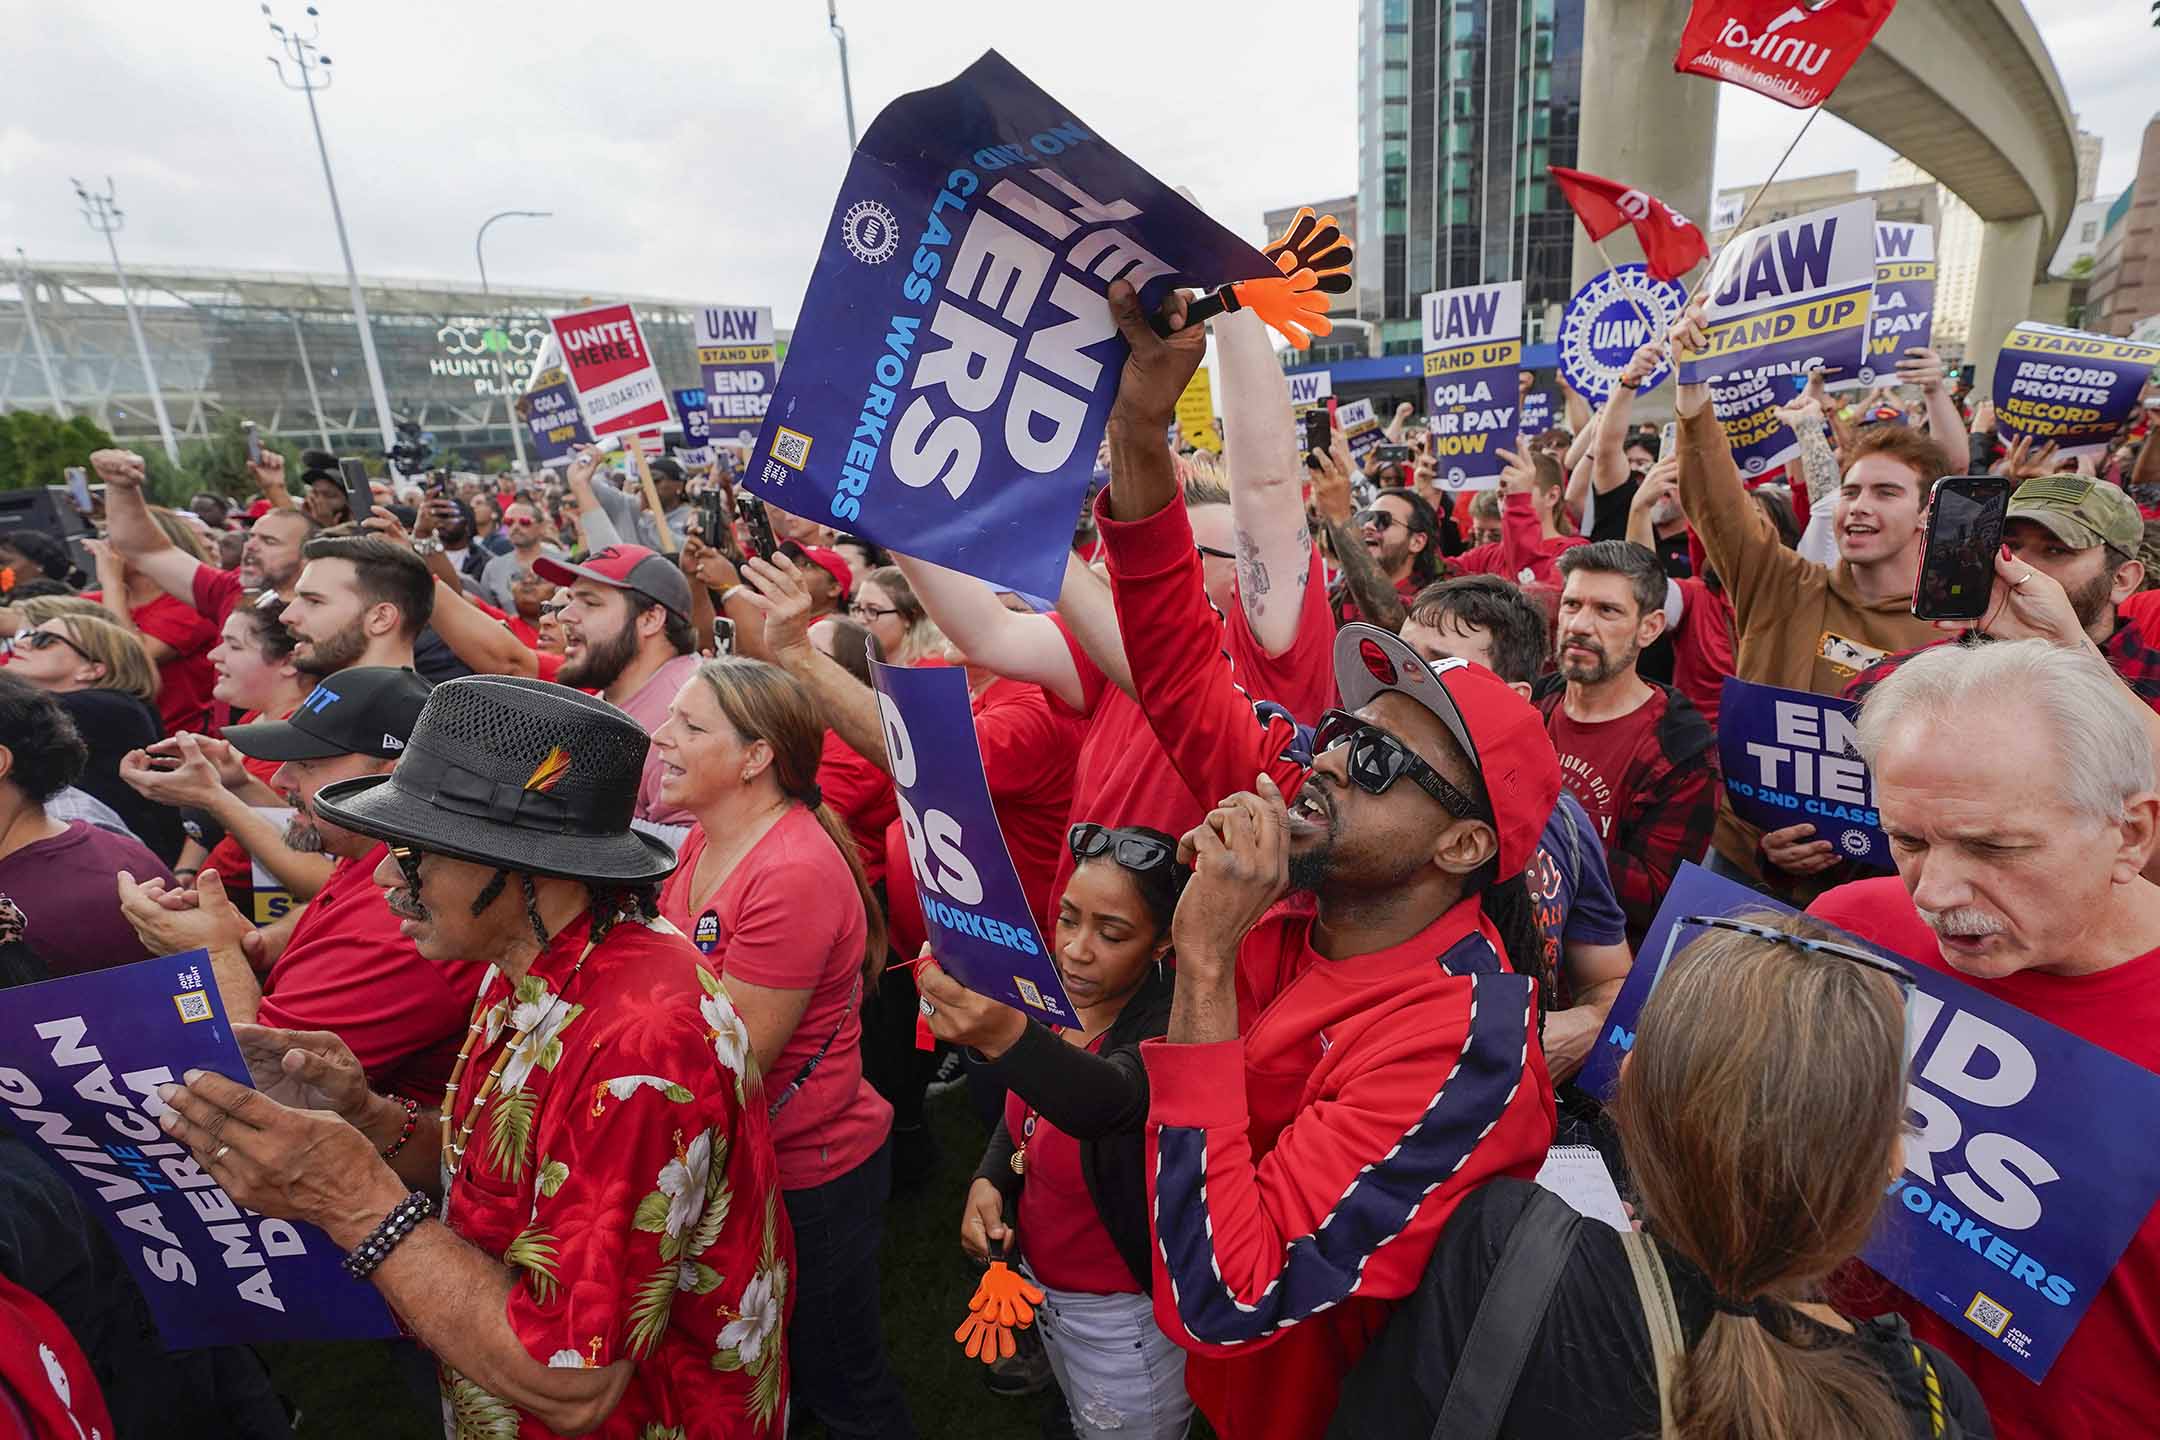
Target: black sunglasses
<point>1378,519</point>
<point>1377,760</point>
<point>1138,853</point>
<point>408,860</point>
<point>46,639</point>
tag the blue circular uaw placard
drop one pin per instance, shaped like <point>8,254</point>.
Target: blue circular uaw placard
<point>1600,330</point>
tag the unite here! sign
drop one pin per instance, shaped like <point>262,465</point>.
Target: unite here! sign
<point>618,388</point>
<point>1473,351</point>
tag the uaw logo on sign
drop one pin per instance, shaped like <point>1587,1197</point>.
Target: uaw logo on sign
<point>1614,315</point>
<point>870,232</point>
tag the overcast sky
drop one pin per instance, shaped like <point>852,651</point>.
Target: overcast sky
<point>696,151</point>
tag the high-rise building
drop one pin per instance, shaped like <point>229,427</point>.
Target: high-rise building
<point>2089,149</point>
<point>2125,290</point>
<point>1957,258</point>
<point>1461,106</point>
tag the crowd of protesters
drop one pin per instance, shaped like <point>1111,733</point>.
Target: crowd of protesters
<point>543,839</point>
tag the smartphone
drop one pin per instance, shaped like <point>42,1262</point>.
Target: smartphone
<point>1964,531</point>
<point>1392,454</point>
<point>1319,433</point>
<point>1966,374</point>
<point>751,512</point>
<point>711,517</point>
<point>254,442</point>
<point>1667,438</point>
<point>78,488</point>
<point>359,498</point>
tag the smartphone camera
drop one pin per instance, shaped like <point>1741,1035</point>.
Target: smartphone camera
<point>1964,531</point>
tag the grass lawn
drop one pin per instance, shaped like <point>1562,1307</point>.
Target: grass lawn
<point>358,1390</point>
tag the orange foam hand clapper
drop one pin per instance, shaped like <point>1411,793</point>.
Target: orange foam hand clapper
<point>1004,1302</point>
<point>1314,258</point>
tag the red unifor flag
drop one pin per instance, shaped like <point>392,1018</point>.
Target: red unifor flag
<point>1671,244</point>
<point>1794,51</point>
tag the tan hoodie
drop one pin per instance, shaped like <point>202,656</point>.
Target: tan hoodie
<point>1795,623</point>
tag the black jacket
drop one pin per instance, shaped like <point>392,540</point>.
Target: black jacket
<point>1099,1100</point>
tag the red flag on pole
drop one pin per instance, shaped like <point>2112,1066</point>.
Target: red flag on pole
<point>1671,243</point>
<point>1794,51</point>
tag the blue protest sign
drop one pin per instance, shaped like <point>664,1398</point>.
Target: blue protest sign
<point>2067,386</point>
<point>738,360</point>
<point>1790,757</point>
<point>981,929</point>
<point>552,421</point>
<point>1903,314</point>
<point>696,420</point>
<point>81,1058</point>
<point>1473,349</point>
<point>2017,1194</point>
<point>1746,410</point>
<point>1789,297</point>
<point>1309,388</point>
<point>1537,413</point>
<point>1601,329</point>
<point>955,363</point>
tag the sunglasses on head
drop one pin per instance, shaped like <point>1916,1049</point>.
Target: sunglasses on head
<point>1138,853</point>
<point>1377,760</point>
<point>1904,978</point>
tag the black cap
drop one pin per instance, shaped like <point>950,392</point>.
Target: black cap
<point>667,467</point>
<point>367,710</point>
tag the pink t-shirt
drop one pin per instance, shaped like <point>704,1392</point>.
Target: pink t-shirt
<point>787,918</point>
<point>649,708</point>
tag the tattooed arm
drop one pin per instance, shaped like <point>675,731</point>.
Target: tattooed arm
<point>1375,597</point>
<point>1260,443</point>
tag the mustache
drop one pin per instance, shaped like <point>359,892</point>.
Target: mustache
<point>1963,922</point>
<point>404,904</point>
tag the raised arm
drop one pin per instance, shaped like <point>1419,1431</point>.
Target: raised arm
<point>1609,469</point>
<point>1019,647</point>
<point>1376,599</point>
<point>134,534</point>
<point>1260,442</point>
<point>1090,615</point>
<point>1946,427</point>
<point>774,589</point>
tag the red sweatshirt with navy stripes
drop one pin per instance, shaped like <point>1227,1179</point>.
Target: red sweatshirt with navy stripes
<point>1299,1175</point>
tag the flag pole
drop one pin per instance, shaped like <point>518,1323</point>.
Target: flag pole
<point>1633,304</point>
<point>1741,224</point>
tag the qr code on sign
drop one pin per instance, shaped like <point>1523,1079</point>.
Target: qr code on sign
<point>1988,1314</point>
<point>193,1006</point>
<point>791,447</point>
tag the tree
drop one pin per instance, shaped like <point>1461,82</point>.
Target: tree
<point>36,448</point>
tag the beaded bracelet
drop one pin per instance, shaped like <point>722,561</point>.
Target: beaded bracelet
<point>412,1123</point>
<point>399,1223</point>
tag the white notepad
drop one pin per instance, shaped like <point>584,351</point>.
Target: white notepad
<point>1577,1174</point>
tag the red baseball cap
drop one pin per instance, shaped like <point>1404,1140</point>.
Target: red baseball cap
<point>1503,736</point>
<point>833,563</point>
<point>625,567</point>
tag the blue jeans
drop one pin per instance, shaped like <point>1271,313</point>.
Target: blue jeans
<point>836,1341</point>
<point>1122,1377</point>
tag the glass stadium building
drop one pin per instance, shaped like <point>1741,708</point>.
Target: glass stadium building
<point>280,349</point>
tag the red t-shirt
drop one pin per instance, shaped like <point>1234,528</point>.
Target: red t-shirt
<point>215,593</point>
<point>1597,761</point>
<point>1125,777</point>
<point>786,918</point>
<point>348,970</point>
<point>1703,646</point>
<point>862,796</point>
<point>1061,1232</point>
<point>235,867</point>
<point>185,681</point>
<point>528,635</point>
<point>2105,1381</point>
<point>1346,610</point>
<point>47,1389</point>
<point>1027,747</point>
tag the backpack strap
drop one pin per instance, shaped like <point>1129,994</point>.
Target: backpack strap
<point>1663,1320</point>
<point>1507,1319</point>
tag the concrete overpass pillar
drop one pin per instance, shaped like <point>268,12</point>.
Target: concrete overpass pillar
<point>1642,124</point>
<point>2002,291</point>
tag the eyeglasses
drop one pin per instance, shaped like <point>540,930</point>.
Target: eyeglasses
<point>870,613</point>
<point>1377,760</point>
<point>1378,519</point>
<point>46,639</point>
<point>1904,977</point>
<point>1212,553</point>
<point>408,860</point>
<point>1138,853</point>
<point>553,607</point>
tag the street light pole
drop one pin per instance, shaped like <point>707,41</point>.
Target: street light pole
<point>24,282</point>
<point>517,437</point>
<point>312,68</point>
<point>847,91</point>
<point>106,218</point>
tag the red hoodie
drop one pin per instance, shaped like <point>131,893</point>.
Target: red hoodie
<point>1299,1175</point>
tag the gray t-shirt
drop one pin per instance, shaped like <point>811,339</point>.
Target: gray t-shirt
<point>495,580</point>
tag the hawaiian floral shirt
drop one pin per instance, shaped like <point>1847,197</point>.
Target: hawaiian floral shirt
<point>623,1167</point>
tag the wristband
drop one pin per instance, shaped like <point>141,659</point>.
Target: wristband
<point>412,1122</point>
<point>395,1226</point>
